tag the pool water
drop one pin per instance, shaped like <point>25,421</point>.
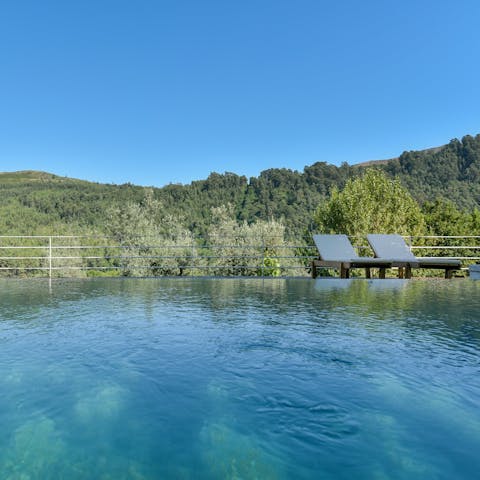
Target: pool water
<point>239,379</point>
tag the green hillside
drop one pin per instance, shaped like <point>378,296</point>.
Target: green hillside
<point>39,203</point>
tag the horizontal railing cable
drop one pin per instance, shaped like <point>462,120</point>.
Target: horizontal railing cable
<point>267,255</point>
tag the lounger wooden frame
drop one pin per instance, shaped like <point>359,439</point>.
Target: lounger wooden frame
<point>336,251</point>
<point>345,267</point>
<point>394,247</point>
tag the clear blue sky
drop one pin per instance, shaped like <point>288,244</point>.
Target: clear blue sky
<point>157,91</point>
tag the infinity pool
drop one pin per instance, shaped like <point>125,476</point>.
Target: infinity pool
<point>239,379</point>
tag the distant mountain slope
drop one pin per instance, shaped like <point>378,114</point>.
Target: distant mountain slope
<point>452,171</point>
<point>376,163</point>
<point>40,202</point>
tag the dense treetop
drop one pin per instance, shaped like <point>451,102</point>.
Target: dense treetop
<point>369,203</point>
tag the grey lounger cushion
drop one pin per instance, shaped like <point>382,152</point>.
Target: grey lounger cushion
<point>337,248</point>
<point>393,246</point>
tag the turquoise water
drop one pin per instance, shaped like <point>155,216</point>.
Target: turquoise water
<point>239,379</point>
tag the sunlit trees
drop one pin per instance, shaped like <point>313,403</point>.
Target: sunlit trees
<point>443,218</point>
<point>153,242</point>
<point>239,248</point>
<point>371,203</point>
<point>156,243</point>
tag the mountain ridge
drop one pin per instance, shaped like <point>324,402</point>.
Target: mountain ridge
<point>42,175</point>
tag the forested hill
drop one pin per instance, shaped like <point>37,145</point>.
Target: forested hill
<point>40,203</point>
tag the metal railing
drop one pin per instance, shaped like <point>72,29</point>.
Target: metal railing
<point>89,255</point>
<point>429,244</point>
<point>68,255</point>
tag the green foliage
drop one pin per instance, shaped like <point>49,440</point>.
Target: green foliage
<point>271,266</point>
<point>42,203</point>
<point>240,248</point>
<point>155,241</point>
<point>444,218</point>
<point>102,273</point>
<point>451,171</point>
<point>371,203</point>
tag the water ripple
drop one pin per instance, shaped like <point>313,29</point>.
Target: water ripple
<point>234,378</point>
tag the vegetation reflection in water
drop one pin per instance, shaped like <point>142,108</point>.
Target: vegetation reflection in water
<point>232,378</point>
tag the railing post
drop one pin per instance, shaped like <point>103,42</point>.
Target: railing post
<point>193,259</point>
<point>263,256</point>
<point>49,257</point>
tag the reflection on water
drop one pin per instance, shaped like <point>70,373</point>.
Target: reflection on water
<point>239,379</point>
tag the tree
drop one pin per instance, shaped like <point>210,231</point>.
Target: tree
<point>443,218</point>
<point>371,203</point>
<point>258,248</point>
<point>153,241</point>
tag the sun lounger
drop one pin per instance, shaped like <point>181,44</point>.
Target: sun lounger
<point>394,248</point>
<point>336,251</point>
<point>474,271</point>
